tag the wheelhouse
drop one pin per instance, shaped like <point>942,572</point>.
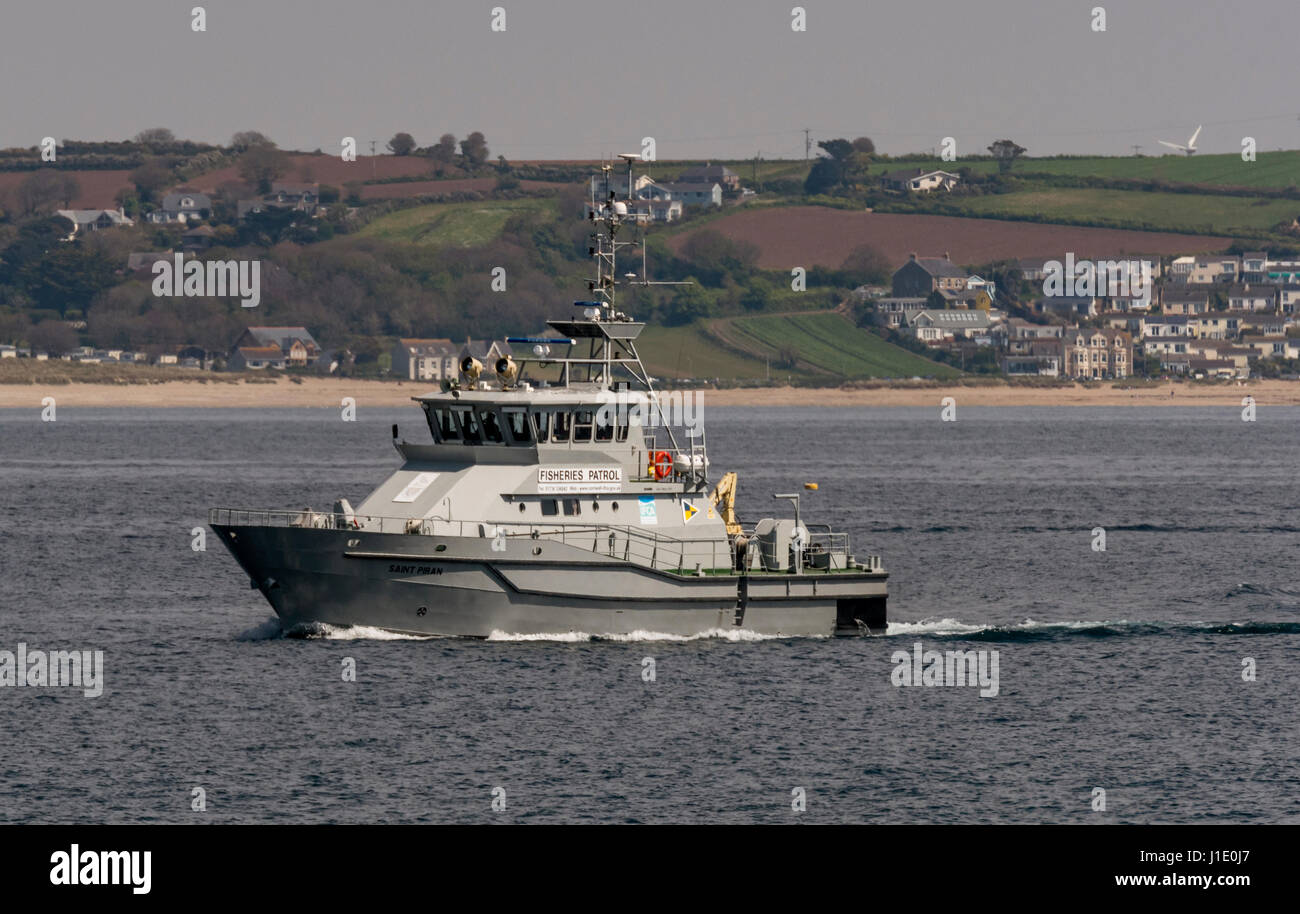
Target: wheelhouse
<point>517,425</point>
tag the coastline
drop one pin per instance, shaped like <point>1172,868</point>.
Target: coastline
<point>329,392</point>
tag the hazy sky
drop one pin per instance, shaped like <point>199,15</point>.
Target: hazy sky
<point>706,78</point>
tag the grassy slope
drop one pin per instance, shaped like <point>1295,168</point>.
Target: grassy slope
<point>827,344</point>
<point>830,344</point>
<point>1272,170</point>
<point>453,224</point>
<point>1225,215</point>
<point>1210,213</point>
<point>689,352</point>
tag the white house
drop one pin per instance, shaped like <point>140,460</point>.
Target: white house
<point>92,220</point>
<point>920,180</point>
<point>1272,347</point>
<point>1163,326</point>
<point>1248,297</point>
<point>182,206</point>
<point>936,326</point>
<point>1289,298</point>
<point>1223,268</point>
<point>696,194</point>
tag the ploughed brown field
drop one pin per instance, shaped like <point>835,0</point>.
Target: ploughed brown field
<point>98,188</point>
<point>791,236</point>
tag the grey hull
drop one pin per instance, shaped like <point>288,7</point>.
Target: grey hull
<point>460,586</point>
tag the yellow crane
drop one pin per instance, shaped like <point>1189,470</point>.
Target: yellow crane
<point>723,498</point>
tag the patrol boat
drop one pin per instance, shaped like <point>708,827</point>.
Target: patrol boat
<point>578,502</point>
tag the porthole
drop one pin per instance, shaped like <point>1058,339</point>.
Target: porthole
<point>614,507</point>
<point>521,507</point>
<point>595,506</point>
<point>441,547</point>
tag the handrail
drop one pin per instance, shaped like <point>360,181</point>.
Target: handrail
<point>653,549</point>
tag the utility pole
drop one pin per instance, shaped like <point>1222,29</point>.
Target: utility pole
<point>1137,150</point>
<point>807,144</point>
<point>373,164</point>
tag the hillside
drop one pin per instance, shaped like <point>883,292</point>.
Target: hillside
<point>825,346</point>
<point>454,224</point>
<point>1218,214</point>
<point>811,236</point>
<point>383,267</point>
<point>1270,170</point>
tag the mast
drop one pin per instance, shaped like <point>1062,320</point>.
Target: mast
<point>608,218</point>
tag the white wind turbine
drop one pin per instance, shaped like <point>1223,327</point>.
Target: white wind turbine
<point>1189,149</point>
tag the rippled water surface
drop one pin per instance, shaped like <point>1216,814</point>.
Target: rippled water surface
<point>1119,670</point>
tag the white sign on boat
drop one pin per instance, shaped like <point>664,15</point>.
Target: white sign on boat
<point>577,480</point>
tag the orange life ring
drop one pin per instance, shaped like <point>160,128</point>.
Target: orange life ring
<point>662,464</point>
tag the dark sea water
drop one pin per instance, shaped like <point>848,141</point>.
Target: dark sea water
<point>1119,670</point>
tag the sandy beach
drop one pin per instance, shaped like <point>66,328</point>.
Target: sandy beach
<point>329,393</point>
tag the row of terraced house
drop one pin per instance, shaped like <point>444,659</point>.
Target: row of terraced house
<point>1202,316</point>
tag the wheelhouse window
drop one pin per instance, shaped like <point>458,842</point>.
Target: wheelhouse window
<point>469,426</point>
<point>572,506</point>
<point>492,433</point>
<point>443,424</point>
<point>491,425</point>
<point>560,422</point>
<point>582,420</point>
<point>605,419</point>
<point>518,426</point>
<point>541,425</point>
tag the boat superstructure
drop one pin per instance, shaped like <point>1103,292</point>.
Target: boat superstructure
<point>559,492</point>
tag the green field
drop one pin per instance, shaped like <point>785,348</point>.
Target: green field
<point>1214,214</point>
<point>1270,170</point>
<point>1275,170</point>
<point>829,343</point>
<point>689,352</point>
<point>765,170</point>
<point>826,345</point>
<point>454,224</point>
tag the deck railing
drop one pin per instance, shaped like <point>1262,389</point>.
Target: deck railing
<point>632,544</point>
<point>825,550</point>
